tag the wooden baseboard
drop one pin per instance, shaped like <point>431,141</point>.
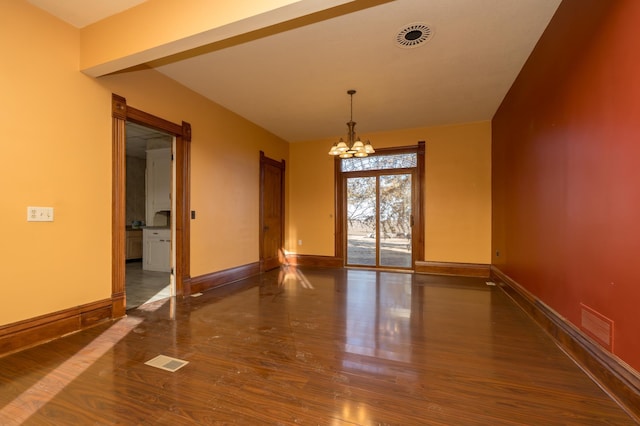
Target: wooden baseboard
<point>619,380</point>
<point>220,278</point>
<point>453,268</point>
<point>317,261</point>
<point>33,331</point>
<point>118,305</point>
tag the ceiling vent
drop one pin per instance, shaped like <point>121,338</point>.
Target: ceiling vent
<point>413,35</point>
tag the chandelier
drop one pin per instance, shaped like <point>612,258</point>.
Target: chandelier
<point>354,146</point>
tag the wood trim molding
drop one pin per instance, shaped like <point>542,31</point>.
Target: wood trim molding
<point>33,331</point>
<point>118,205</point>
<point>317,261</point>
<point>118,304</point>
<point>419,204</point>
<point>270,263</point>
<point>182,162</point>
<point>118,107</point>
<point>338,196</point>
<point>418,200</point>
<point>224,277</point>
<point>619,380</point>
<point>453,268</point>
<point>149,120</point>
<point>121,113</point>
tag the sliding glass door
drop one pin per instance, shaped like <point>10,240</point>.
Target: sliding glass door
<point>362,223</point>
<point>379,219</point>
<point>395,215</point>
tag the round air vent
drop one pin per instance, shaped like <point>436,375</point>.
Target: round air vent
<point>413,35</point>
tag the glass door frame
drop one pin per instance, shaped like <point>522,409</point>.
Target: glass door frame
<point>378,238</point>
<point>417,240</point>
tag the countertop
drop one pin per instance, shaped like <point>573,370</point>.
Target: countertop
<point>140,228</point>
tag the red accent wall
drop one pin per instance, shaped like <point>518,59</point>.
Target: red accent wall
<point>566,169</point>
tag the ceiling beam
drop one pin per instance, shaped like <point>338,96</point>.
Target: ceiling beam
<point>160,29</point>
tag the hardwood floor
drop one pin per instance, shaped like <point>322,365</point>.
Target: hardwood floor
<point>322,347</point>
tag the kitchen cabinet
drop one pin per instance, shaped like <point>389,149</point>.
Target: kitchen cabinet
<point>158,182</point>
<point>156,249</point>
<point>134,244</point>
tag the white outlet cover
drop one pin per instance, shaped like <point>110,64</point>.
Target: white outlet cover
<point>39,214</point>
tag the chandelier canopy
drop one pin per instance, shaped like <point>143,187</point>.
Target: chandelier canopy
<point>354,147</point>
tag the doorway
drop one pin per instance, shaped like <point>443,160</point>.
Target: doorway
<point>379,222</point>
<point>121,114</point>
<point>271,211</point>
<point>149,185</point>
<point>380,208</point>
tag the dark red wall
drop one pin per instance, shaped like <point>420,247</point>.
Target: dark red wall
<point>566,169</point>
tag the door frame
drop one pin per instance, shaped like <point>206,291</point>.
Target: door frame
<point>121,113</point>
<point>417,234</point>
<point>377,174</point>
<point>264,160</point>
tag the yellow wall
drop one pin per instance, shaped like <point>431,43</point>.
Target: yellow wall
<point>225,166</point>
<point>57,153</point>
<point>57,150</point>
<point>457,193</point>
<point>311,206</point>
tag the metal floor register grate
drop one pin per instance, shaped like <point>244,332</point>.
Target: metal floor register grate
<point>167,363</point>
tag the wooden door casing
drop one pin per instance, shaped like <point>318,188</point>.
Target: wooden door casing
<point>271,211</point>
<point>121,113</point>
<point>417,241</point>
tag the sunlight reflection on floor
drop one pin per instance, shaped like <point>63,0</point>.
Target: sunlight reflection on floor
<point>291,272</point>
<point>30,401</point>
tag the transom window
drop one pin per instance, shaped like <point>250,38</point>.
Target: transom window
<point>379,162</point>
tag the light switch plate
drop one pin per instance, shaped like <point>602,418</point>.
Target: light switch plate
<point>39,214</point>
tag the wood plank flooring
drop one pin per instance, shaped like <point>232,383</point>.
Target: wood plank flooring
<point>339,347</point>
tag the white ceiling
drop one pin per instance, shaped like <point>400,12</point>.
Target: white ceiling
<point>81,13</point>
<point>294,83</point>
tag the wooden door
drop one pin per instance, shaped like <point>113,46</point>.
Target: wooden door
<point>271,211</point>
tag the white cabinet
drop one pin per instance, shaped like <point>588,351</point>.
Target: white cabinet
<point>158,182</point>
<point>156,249</point>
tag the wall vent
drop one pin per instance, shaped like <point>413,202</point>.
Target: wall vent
<point>413,35</point>
<point>597,326</point>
